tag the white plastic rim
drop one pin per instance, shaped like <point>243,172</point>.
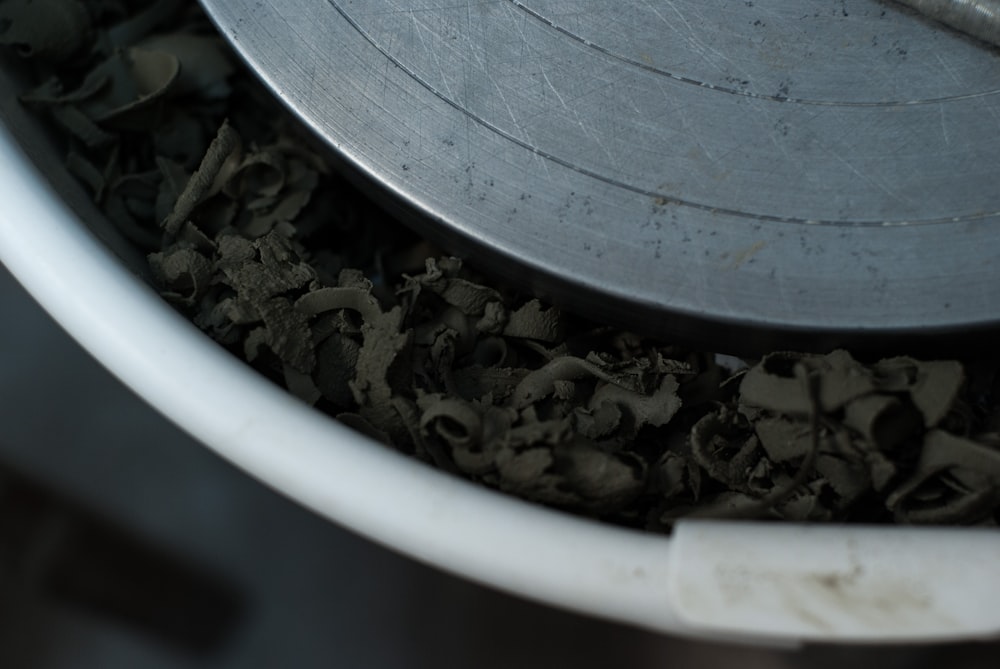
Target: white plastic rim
<point>764,583</point>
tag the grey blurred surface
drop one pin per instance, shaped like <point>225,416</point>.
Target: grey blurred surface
<point>314,595</point>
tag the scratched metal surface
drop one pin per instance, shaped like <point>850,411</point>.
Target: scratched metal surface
<point>743,174</point>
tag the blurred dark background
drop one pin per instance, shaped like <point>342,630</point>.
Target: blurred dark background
<point>123,543</point>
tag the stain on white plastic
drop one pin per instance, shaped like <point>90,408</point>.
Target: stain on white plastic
<point>836,583</point>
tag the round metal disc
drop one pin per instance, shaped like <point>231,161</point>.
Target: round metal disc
<point>801,172</point>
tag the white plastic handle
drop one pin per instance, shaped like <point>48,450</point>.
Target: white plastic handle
<point>857,584</point>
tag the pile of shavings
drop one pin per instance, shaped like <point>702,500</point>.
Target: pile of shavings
<point>250,234</point>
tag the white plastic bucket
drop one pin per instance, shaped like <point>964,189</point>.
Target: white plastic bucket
<point>761,582</point>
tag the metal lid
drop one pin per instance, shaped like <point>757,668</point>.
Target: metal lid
<point>804,174</point>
